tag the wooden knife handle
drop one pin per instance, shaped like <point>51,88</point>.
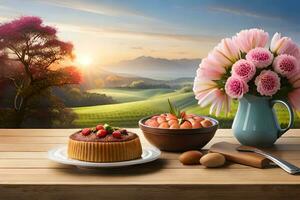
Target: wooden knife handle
<point>245,158</point>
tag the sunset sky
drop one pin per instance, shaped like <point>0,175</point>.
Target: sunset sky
<point>105,32</point>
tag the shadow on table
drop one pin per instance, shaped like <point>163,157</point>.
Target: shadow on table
<point>133,170</point>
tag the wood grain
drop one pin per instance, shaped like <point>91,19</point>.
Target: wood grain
<point>26,173</point>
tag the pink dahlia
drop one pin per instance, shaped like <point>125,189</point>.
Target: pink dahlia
<point>261,57</point>
<point>250,39</point>
<point>244,69</point>
<point>268,83</point>
<point>235,87</point>
<point>286,65</point>
<point>284,45</point>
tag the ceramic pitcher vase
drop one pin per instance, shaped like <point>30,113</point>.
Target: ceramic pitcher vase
<point>256,124</point>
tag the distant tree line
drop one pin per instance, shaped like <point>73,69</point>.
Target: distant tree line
<point>142,85</point>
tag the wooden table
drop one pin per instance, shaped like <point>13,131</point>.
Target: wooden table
<point>26,173</point>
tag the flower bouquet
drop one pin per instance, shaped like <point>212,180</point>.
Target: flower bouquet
<point>244,68</point>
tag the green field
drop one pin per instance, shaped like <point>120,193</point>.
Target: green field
<point>121,95</point>
<point>137,103</point>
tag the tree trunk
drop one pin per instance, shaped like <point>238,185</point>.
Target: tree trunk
<point>20,114</point>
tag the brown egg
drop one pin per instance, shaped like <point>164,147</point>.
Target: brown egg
<point>186,125</point>
<point>152,123</point>
<point>164,125</point>
<point>213,160</point>
<point>174,126</point>
<point>206,123</point>
<point>190,157</point>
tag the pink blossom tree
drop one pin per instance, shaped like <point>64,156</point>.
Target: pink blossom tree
<point>33,58</point>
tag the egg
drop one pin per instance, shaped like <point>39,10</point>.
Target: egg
<point>190,157</point>
<point>212,160</point>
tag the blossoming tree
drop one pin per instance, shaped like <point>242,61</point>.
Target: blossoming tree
<point>32,59</point>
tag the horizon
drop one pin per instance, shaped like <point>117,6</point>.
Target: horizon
<point>121,30</point>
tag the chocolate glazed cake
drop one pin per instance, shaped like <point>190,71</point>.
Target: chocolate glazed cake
<point>104,146</point>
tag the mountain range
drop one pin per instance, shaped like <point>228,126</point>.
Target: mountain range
<point>156,68</point>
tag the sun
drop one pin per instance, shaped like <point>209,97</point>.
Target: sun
<point>84,60</point>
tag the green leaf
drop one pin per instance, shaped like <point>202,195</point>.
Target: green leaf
<point>174,110</point>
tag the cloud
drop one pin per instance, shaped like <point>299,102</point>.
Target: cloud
<point>137,48</point>
<point>123,33</point>
<point>6,8</point>
<point>96,8</point>
<point>110,32</point>
<point>242,12</point>
<point>4,19</point>
<point>181,52</point>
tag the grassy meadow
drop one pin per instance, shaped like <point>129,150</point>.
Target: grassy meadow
<point>133,104</point>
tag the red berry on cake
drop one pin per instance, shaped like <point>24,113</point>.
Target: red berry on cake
<point>86,131</point>
<point>99,127</point>
<point>117,134</point>
<point>102,133</point>
<point>123,131</point>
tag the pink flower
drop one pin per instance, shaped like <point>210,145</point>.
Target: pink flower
<point>228,49</point>
<point>207,92</point>
<point>244,69</point>
<point>293,98</point>
<point>210,68</point>
<point>286,65</point>
<point>261,57</point>
<point>294,95</point>
<point>295,80</point>
<point>284,45</point>
<point>206,89</point>
<point>250,39</point>
<point>268,83</point>
<point>235,87</point>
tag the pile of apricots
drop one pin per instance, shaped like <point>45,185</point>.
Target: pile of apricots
<point>186,121</point>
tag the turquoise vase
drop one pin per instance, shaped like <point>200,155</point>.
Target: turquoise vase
<point>256,124</point>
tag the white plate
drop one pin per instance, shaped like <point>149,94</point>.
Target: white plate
<point>59,155</point>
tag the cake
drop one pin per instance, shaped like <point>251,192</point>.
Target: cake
<point>104,144</point>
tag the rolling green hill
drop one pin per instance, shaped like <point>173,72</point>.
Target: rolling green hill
<point>147,102</point>
<point>122,95</point>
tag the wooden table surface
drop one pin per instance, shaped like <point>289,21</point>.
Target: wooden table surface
<point>26,173</point>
